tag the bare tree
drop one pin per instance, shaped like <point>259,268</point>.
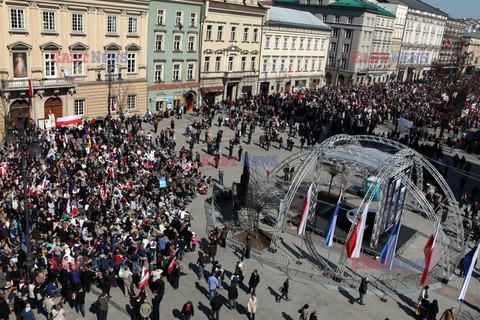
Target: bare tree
<point>4,107</point>
<point>454,83</point>
<point>121,90</point>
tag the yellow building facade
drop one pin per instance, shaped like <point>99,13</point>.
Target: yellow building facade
<point>65,49</point>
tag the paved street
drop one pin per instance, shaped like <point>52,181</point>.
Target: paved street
<point>329,303</point>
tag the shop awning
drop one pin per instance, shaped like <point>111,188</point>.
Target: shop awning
<point>213,89</point>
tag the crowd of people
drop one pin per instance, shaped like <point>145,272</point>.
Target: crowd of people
<point>108,203</point>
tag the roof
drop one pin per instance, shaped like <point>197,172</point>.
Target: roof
<point>297,18</point>
<point>419,5</point>
<point>362,4</point>
<point>475,35</point>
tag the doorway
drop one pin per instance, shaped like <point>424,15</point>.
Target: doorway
<point>53,106</point>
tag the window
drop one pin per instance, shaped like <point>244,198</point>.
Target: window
<point>176,72</point>
<point>345,48</point>
<point>285,42</point>
<point>220,33</point>
<point>77,64</point>
<point>282,65</point>
<point>131,102</point>
<point>111,24</point>
<point>274,65</point>
<point>161,17</point>
<point>48,21</point>
<point>131,62</point>
<point>159,42</point>
<point>350,20</point>
<point>193,19</point>
<point>230,63</point>
<point>177,42</point>
<point>218,63</point>
<point>233,33</point>
<point>191,43</point>
<point>206,64</point>
<point>294,43</point>
<point>158,73</point>
<point>77,22</point>
<point>79,107</point>
<point>50,69</point>
<point>299,64</point>
<point>343,63</point>
<point>267,42</point>
<point>111,60</point>
<point>309,44</point>
<point>305,68</point>
<point>325,17</point>
<point>313,65</point>
<point>290,65</point>
<point>179,18</point>
<point>320,65</point>
<point>132,25</point>
<point>335,33</point>
<point>190,71</point>
<point>337,18</point>
<point>301,43</point>
<point>277,41</point>
<point>255,35</point>
<point>113,104</point>
<point>348,34</point>
<point>265,65</point>
<point>333,46</point>
<point>322,46</point>
<point>330,61</point>
<point>245,34</point>
<point>17,19</point>
<point>244,63</point>
<point>315,46</point>
<point>253,63</point>
<point>209,33</point>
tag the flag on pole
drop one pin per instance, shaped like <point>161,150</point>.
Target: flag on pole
<point>74,209</point>
<point>302,224</point>
<point>172,265</point>
<point>111,172</point>
<point>44,183</point>
<point>428,251</point>
<point>144,280</point>
<point>31,89</point>
<point>354,243</point>
<point>3,170</point>
<point>330,230</point>
<point>468,265</point>
<point>388,251</point>
<point>69,207</point>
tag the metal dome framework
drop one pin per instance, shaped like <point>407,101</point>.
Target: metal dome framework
<point>451,234</point>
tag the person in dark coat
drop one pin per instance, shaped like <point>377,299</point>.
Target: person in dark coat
<point>232,296</point>
<point>4,309</point>
<point>284,291</point>
<point>253,282</point>
<point>216,304</point>
<point>248,247</point>
<point>362,290</point>
<point>433,310</point>
<point>156,305</point>
<point>187,311</point>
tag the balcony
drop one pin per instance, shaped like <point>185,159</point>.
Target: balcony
<point>228,74</point>
<point>212,75</point>
<point>54,83</point>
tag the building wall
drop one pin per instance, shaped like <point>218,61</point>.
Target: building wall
<point>474,48</point>
<point>232,77</point>
<point>48,28</point>
<point>452,40</point>
<point>294,68</point>
<point>168,56</point>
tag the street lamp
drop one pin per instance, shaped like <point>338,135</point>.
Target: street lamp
<point>110,79</point>
<point>28,144</point>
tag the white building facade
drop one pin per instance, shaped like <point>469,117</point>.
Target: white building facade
<point>294,51</point>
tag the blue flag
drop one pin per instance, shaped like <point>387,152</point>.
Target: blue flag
<point>468,265</point>
<point>388,251</point>
<point>330,230</point>
<point>163,182</point>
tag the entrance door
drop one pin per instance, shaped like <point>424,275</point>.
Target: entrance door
<point>17,108</point>
<point>53,106</point>
<point>230,91</point>
<point>264,88</point>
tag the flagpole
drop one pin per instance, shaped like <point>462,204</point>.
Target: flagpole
<point>383,299</point>
<point>460,309</point>
<point>300,256</point>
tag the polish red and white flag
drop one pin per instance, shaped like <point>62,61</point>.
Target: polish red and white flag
<point>144,279</point>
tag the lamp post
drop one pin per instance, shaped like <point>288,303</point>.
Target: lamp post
<point>110,79</point>
<point>28,144</point>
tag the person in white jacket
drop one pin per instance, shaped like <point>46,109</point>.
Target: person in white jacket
<point>252,306</point>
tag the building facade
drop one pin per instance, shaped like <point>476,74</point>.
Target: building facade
<point>473,46</point>
<point>451,43</point>
<point>353,24</point>
<point>422,39</point>
<point>173,53</point>
<point>230,48</point>
<point>294,51</point>
<point>65,48</point>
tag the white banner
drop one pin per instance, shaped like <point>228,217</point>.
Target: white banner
<point>405,123</point>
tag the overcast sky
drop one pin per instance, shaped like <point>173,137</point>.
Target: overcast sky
<point>458,8</point>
